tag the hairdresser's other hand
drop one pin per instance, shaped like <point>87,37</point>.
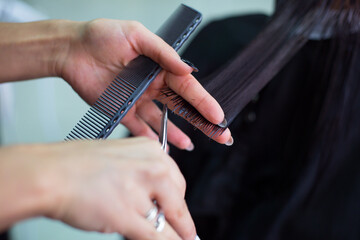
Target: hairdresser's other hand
<point>103,47</point>
<point>104,186</point>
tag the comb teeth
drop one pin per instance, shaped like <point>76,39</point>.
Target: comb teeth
<point>97,122</point>
<point>182,108</point>
<point>133,80</point>
<point>117,99</point>
<point>115,96</point>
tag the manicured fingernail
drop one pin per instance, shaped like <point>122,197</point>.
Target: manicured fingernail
<point>195,69</point>
<point>223,124</point>
<point>197,237</point>
<point>230,142</point>
<point>190,148</point>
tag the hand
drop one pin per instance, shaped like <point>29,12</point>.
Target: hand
<point>104,47</point>
<point>104,186</point>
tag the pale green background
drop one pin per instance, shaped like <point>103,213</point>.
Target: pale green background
<point>45,110</point>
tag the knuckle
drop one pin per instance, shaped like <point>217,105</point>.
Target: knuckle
<point>134,25</point>
<point>201,101</point>
<point>135,29</point>
<point>176,213</point>
<point>92,27</point>
<point>158,170</point>
<point>167,185</point>
<point>96,21</point>
<point>185,85</point>
<point>101,20</point>
<point>158,54</point>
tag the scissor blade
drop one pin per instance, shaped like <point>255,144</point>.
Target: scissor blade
<point>163,130</point>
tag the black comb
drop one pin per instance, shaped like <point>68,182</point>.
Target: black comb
<point>133,80</point>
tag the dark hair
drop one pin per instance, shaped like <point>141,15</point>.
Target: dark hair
<point>294,172</point>
<point>293,25</point>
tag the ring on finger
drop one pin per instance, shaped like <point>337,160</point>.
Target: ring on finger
<point>160,222</point>
<point>152,213</point>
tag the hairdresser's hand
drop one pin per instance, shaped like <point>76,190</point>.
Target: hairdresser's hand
<point>104,47</point>
<point>104,186</point>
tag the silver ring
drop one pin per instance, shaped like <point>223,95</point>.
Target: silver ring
<point>152,213</point>
<point>160,222</point>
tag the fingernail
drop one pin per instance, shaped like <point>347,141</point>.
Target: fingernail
<point>197,237</point>
<point>230,142</point>
<point>195,69</point>
<point>223,124</point>
<point>190,148</point>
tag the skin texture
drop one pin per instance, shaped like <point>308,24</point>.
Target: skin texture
<point>105,186</point>
<point>89,54</point>
<point>94,61</point>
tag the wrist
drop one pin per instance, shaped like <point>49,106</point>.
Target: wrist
<point>66,34</point>
<point>29,185</point>
<point>49,182</point>
<point>33,50</point>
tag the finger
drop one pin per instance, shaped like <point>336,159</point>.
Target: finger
<point>176,176</point>
<point>149,44</point>
<point>152,115</point>
<point>175,209</point>
<point>170,174</point>
<point>137,126</point>
<point>169,232</point>
<point>158,167</point>
<point>225,138</point>
<point>195,94</point>
<point>151,214</point>
<point>137,227</point>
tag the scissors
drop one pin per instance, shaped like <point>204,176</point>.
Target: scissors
<point>163,139</point>
<point>163,129</point>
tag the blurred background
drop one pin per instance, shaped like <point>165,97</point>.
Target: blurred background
<point>45,110</point>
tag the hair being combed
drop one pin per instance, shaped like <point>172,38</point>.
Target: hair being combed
<point>293,25</point>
